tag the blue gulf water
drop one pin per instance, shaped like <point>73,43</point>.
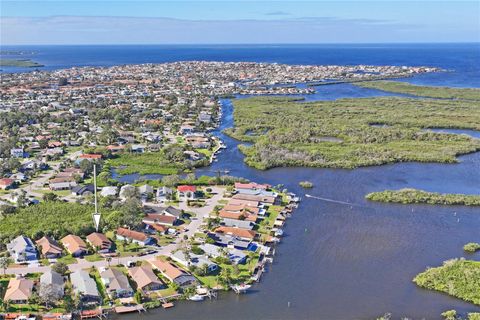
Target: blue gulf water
<point>461,59</point>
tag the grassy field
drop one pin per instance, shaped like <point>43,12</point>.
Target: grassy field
<point>420,196</point>
<point>423,91</point>
<point>459,278</point>
<point>341,134</point>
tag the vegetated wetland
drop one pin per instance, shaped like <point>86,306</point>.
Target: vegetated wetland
<point>423,91</point>
<point>419,196</point>
<point>21,63</point>
<point>296,131</point>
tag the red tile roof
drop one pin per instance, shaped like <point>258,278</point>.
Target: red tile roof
<point>242,233</point>
<point>186,188</point>
<point>90,156</point>
<point>131,234</point>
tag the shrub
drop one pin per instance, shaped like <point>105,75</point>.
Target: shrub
<point>471,247</point>
<point>306,184</point>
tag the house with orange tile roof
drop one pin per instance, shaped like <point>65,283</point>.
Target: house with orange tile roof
<point>100,242</point>
<point>145,279</point>
<point>74,245</point>
<point>49,248</point>
<point>135,236</point>
<point>19,290</point>
<point>173,273</point>
<point>237,232</point>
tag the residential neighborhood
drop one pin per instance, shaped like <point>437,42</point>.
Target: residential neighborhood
<point>179,249</point>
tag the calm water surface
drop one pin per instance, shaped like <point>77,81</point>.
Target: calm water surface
<point>336,261</point>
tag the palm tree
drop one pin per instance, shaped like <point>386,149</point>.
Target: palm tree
<point>4,264</point>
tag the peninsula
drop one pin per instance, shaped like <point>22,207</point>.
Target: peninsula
<point>23,63</point>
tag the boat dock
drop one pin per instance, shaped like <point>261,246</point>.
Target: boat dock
<point>128,309</point>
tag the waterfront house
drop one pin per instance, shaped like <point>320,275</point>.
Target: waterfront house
<point>135,237</point>
<point>198,142</point>
<point>164,194</point>
<point>19,290</point>
<point>243,234</point>
<point>244,215</point>
<point>234,255</point>
<point>195,260</point>
<point>6,183</point>
<point>109,191</point>
<point>186,192</point>
<point>145,279</point>
<point>267,200</point>
<point>100,242</point>
<point>49,248</point>
<point>116,283</point>
<point>250,186</point>
<point>22,249</point>
<point>85,287</point>
<point>226,240</point>
<point>74,245</point>
<point>237,223</point>
<point>55,280</point>
<point>173,273</point>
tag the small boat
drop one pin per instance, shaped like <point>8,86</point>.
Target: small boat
<point>278,232</point>
<point>196,297</point>
<point>241,288</point>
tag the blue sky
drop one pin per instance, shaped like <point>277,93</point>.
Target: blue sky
<point>229,21</point>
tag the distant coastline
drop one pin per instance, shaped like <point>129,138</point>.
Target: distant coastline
<point>23,63</point>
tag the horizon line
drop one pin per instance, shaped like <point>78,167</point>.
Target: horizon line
<point>242,44</point>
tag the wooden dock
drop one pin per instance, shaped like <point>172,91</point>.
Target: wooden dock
<point>167,305</point>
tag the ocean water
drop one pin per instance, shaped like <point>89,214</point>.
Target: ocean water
<point>460,59</point>
<point>335,261</point>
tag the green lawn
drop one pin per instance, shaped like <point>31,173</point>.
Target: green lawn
<point>100,286</point>
<point>68,259</point>
<point>267,223</point>
<point>94,257</point>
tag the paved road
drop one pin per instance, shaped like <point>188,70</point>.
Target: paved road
<point>36,183</point>
<point>201,214</point>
